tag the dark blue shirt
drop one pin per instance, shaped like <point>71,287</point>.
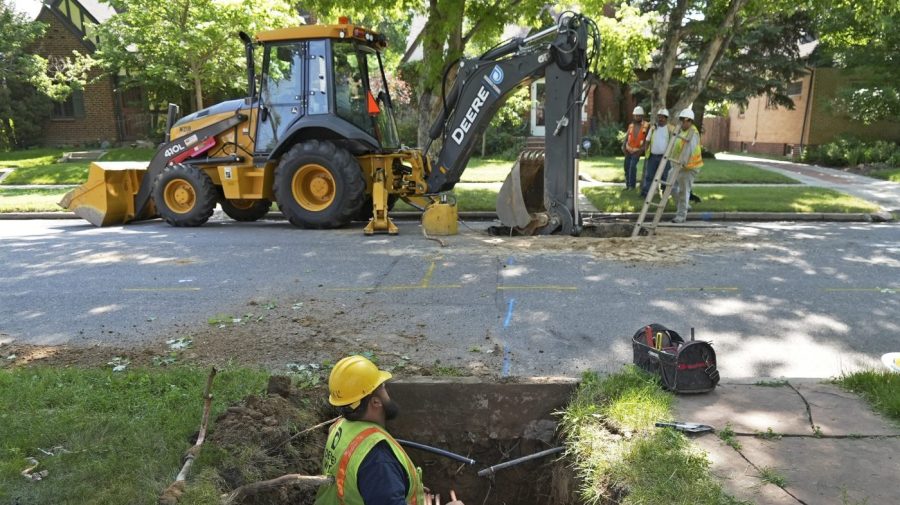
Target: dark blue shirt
<point>381,479</point>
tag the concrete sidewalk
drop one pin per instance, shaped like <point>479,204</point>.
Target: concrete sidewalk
<point>884,193</point>
<point>827,444</point>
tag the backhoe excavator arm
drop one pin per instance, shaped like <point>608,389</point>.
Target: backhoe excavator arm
<point>558,54</point>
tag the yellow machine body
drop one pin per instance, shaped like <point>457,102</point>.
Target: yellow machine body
<point>108,196</point>
<point>441,219</point>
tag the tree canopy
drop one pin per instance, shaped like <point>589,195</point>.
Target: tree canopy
<point>186,45</point>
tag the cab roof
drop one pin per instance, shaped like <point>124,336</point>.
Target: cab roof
<point>341,31</point>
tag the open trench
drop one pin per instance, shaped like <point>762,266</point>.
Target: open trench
<point>489,422</point>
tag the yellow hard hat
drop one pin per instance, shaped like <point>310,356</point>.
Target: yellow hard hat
<point>352,379</point>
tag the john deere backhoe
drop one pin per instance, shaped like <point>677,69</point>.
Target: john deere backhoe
<point>319,138</point>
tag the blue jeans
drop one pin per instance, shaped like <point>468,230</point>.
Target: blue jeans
<point>650,170</point>
<point>631,163</point>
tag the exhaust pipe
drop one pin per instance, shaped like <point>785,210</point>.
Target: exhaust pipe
<point>170,121</point>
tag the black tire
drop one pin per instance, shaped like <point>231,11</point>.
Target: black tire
<point>184,195</point>
<point>365,211</point>
<point>319,185</point>
<point>245,210</point>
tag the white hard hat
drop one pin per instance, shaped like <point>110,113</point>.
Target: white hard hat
<point>687,113</point>
<point>638,111</point>
<point>663,112</point>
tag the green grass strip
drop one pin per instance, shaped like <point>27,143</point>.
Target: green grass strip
<point>880,388</point>
<point>125,431</point>
<point>30,199</point>
<point>38,166</point>
<point>802,199</point>
<point>620,456</point>
<point>610,169</point>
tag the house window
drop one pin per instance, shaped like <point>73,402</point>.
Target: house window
<point>70,108</point>
<point>795,88</point>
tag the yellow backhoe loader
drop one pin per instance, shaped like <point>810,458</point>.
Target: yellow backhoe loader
<point>319,138</point>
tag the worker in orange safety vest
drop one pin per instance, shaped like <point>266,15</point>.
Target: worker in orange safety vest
<point>367,464</point>
<point>633,146</point>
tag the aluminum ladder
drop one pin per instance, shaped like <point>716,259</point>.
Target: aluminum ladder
<point>653,194</point>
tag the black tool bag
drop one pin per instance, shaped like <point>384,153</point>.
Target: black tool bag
<point>685,367</point>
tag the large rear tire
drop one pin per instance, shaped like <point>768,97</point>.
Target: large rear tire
<point>184,195</point>
<point>319,185</point>
<point>245,210</point>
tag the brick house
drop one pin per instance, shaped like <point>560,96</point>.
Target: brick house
<point>100,112</point>
<point>761,128</point>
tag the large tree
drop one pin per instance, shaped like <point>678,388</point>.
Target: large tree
<point>180,46</point>
<point>864,37</point>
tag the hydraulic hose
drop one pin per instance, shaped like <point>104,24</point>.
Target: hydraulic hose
<point>435,450</point>
<point>513,462</point>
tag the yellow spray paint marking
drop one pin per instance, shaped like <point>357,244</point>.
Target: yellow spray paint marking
<point>706,288</point>
<point>425,284</point>
<point>161,289</point>
<point>873,290</point>
<point>538,288</point>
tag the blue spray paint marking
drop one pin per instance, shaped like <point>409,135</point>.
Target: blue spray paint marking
<point>706,216</point>
<point>509,312</point>
<point>505,371</point>
<point>511,261</point>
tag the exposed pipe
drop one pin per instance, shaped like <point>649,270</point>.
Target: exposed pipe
<point>513,462</point>
<point>435,450</point>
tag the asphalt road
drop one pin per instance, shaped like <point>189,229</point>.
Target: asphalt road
<point>793,300</point>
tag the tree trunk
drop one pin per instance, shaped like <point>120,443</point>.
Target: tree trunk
<point>198,89</point>
<point>668,58</point>
<point>712,53</point>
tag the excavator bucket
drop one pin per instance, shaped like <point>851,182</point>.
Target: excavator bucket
<point>108,196</point>
<point>520,203</point>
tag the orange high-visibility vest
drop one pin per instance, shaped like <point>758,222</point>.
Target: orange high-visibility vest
<point>636,139</point>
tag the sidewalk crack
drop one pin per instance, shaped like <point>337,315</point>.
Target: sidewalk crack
<point>759,472</point>
<point>809,415</point>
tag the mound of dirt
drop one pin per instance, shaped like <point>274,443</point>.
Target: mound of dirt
<point>258,435</point>
<point>668,246</point>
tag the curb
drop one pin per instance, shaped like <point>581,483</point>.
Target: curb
<point>880,217</point>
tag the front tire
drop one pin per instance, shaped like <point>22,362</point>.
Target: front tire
<point>184,195</point>
<point>245,210</point>
<point>319,185</point>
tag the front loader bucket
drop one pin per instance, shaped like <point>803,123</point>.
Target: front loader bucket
<point>520,202</point>
<point>108,196</point>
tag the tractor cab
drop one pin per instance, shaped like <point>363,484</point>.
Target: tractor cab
<point>323,82</point>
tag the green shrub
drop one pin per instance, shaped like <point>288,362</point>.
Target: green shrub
<point>847,151</point>
<point>607,140</point>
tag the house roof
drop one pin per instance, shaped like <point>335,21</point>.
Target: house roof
<point>101,11</point>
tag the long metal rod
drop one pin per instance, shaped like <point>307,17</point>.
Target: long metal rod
<point>435,450</point>
<point>542,33</point>
<point>513,462</point>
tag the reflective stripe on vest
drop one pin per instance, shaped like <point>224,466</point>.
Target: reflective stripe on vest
<point>348,444</point>
<point>696,159</point>
<point>642,134</point>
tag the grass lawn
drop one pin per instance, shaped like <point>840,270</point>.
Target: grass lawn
<point>653,465</point>
<point>467,199</point>
<point>609,169</point>
<point>38,166</point>
<point>737,199</point>
<point>880,388</point>
<point>888,174</point>
<point>125,432</point>
<point>30,200</point>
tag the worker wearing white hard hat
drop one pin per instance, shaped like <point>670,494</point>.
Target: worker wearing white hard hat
<point>633,146</point>
<point>655,146</point>
<point>686,153</point>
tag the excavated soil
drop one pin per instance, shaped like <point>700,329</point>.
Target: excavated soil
<point>261,436</point>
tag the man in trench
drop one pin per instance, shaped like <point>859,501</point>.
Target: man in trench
<point>368,466</point>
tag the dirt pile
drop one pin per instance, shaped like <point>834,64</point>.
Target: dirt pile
<point>260,437</point>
